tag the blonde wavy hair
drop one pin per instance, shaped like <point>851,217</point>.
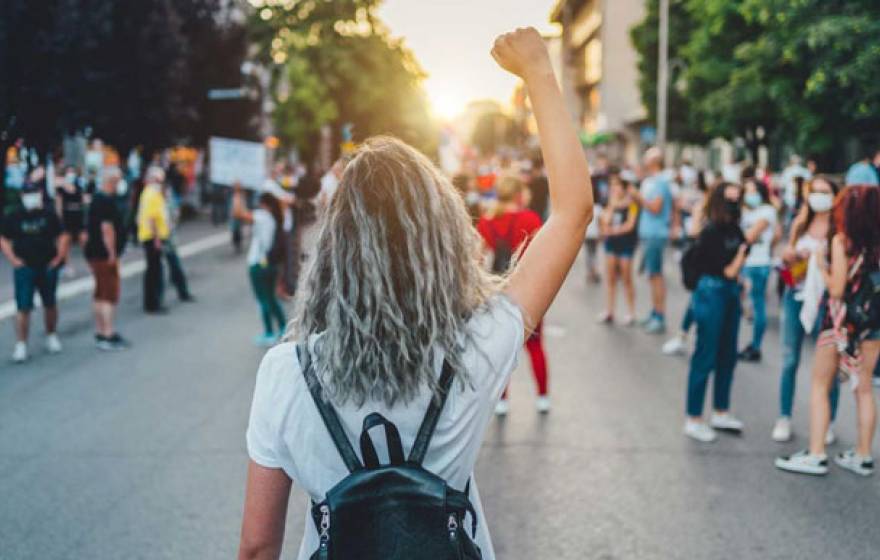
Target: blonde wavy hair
<point>397,275</point>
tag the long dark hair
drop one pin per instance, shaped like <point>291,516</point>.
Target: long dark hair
<point>273,205</point>
<point>717,209</point>
<point>857,215</point>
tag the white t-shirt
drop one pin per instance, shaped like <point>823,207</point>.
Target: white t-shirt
<point>286,431</point>
<point>760,254</point>
<point>262,236</point>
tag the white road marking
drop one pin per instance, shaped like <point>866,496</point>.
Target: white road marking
<point>86,284</point>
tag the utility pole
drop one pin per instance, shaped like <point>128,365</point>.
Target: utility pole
<point>663,77</point>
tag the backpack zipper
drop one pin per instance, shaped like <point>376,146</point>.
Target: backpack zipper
<point>324,535</point>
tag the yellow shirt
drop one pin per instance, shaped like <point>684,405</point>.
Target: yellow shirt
<point>152,210</point>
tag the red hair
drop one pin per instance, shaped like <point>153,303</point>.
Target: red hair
<point>857,215</point>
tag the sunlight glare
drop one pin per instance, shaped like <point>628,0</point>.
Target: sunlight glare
<point>446,103</point>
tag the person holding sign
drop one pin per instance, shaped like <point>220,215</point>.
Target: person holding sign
<point>264,257</point>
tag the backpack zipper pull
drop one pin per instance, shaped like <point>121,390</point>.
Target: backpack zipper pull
<point>324,535</point>
<point>452,527</point>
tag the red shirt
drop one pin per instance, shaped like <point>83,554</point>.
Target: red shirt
<point>516,227</point>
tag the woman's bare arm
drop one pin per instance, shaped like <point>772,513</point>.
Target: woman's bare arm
<point>756,230</point>
<point>544,265</point>
<point>239,209</point>
<point>265,510</point>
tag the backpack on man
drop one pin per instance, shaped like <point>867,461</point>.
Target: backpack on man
<point>503,254</point>
<point>398,511</point>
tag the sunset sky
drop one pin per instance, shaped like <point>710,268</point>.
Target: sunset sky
<point>452,40</point>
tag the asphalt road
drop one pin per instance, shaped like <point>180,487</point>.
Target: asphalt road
<point>140,454</point>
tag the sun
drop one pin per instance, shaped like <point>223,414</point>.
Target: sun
<point>446,103</point>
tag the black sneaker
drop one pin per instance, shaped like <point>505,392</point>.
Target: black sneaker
<point>750,354</point>
<point>118,342</point>
<point>103,343</point>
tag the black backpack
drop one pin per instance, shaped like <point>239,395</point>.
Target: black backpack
<point>503,248</point>
<point>863,304</point>
<point>690,267</point>
<point>398,511</point>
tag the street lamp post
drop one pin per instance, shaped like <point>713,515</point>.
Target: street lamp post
<point>663,77</point>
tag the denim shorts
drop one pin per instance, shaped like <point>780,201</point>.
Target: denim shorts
<point>652,255</point>
<point>28,280</point>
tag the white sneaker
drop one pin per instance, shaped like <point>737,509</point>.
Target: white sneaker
<point>726,421</point>
<point>853,462</point>
<point>604,318</point>
<point>19,352</point>
<point>804,463</point>
<point>502,408</point>
<point>543,404</point>
<point>782,430</point>
<point>675,346</point>
<point>830,436</point>
<point>53,344</point>
<point>629,320</point>
<point>699,431</point>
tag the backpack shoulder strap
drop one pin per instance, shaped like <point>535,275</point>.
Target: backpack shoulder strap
<point>429,423</point>
<point>328,413</point>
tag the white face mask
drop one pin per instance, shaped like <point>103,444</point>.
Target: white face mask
<point>820,202</point>
<point>32,201</point>
<point>70,178</point>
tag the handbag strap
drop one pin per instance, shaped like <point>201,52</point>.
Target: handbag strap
<point>328,413</point>
<point>429,423</point>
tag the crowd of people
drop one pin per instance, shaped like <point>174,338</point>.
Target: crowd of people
<point>736,238</point>
<point>99,210</point>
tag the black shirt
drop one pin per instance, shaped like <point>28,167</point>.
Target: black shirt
<point>34,235</point>
<point>717,246</point>
<point>540,191</point>
<point>72,208</point>
<point>103,209</point>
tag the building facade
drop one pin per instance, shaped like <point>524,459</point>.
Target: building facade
<point>599,73</point>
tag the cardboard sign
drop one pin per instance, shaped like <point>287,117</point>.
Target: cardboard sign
<point>237,161</point>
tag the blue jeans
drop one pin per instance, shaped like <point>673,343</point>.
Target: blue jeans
<point>716,309</point>
<point>792,342</point>
<point>758,276</point>
<point>688,318</point>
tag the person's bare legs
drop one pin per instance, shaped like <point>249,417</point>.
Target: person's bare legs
<point>103,318</point>
<point>50,319</point>
<point>825,366</point>
<point>22,325</point>
<point>629,290</point>
<point>658,294</point>
<point>866,406</point>
<point>611,284</point>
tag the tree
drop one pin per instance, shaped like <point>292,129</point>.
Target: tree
<point>335,63</point>
<point>770,71</point>
<point>127,70</point>
<point>683,119</point>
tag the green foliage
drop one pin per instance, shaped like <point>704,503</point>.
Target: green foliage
<point>803,71</point>
<point>134,72</point>
<point>342,66</point>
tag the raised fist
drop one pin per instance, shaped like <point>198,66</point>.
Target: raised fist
<point>522,52</point>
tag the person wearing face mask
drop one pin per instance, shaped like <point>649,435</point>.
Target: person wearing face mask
<point>36,245</point>
<point>759,226</point>
<point>721,251</point>
<point>809,233</point>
